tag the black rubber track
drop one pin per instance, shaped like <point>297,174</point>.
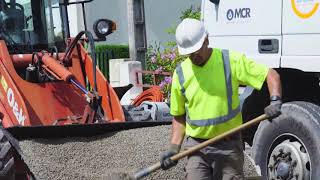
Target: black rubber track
<point>6,158</point>
<point>301,119</point>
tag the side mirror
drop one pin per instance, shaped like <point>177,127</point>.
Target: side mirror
<point>104,27</point>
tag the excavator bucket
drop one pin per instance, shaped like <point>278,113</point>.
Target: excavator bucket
<point>77,130</point>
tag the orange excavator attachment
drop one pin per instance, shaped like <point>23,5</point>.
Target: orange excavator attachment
<point>110,101</point>
<point>55,68</point>
<point>110,104</point>
<point>67,99</point>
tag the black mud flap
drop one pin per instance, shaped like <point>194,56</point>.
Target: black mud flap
<point>78,130</point>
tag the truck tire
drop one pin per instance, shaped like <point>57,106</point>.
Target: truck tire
<point>288,148</point>
<point>6,158</point>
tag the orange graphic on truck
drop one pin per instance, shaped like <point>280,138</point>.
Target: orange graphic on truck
<point>304,15</point>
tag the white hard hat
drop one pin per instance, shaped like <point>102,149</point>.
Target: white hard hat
<point>190,35</point>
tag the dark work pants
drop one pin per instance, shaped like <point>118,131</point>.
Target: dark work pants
<point>220,161</point>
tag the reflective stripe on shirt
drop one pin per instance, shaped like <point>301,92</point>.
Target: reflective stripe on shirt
<point>228,79</point>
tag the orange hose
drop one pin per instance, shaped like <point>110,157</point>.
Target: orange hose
<point>152,94</point>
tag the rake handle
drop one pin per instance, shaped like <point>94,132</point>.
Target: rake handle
<point>146,171</point>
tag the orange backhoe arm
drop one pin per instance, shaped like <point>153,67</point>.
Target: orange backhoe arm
<point>110,102</point>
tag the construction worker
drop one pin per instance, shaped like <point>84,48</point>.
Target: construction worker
<point>205,103</point>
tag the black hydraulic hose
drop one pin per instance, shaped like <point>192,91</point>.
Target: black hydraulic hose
<point>55,50</point>
<point>93,53</point>
<point>83,69</point>
<point>33,57</point>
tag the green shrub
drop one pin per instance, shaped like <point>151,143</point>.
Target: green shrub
<point>163,61</point>
<point>117,51</point>
<point>167,59</point>
<point>192,12</point>
<point>104,52</point>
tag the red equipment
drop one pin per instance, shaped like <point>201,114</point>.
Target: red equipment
<point>49,102</point>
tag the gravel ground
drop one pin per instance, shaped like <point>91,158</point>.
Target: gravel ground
<point>104,157</point>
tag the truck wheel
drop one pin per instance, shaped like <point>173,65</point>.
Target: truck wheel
<point>288,148</point>
<point>6,158</point>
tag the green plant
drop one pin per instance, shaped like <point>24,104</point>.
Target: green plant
<point>117,51</point>
<point>192,12</point>
<point>167,58</point>
<point>163,61</point>
<point>104,52</point>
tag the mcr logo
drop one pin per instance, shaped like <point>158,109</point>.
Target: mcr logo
<point>238,13</point>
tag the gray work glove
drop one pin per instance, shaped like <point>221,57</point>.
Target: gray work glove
<point>166,162</point>
<point>274,109</point>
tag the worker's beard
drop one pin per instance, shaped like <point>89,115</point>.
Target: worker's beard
<point>198,60</point>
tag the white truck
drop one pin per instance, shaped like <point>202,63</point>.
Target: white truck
<point>285,35</point>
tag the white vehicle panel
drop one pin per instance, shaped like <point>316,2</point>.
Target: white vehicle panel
<point>249,46</point>
<point>295,24</point>
<point>304,63</point>
<point>242,17</point>
<point>301,35</point>
<point>301,45</point>
<point>301,16</point>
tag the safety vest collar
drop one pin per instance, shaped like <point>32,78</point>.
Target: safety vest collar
<point>228,79</point>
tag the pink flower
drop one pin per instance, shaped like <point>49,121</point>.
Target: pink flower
<point>162,84</point>
<point>153,59</point>
<point>159,70</point>
<point>168,80</point>
<point>163,56</point>
<point>172,56</point>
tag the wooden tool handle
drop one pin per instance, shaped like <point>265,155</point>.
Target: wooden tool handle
<point>218,138</point>
<point>183,154</point>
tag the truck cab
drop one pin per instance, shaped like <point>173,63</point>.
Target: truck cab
<point>284,35</point>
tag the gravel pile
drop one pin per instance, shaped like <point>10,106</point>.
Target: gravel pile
<point>103,157</point>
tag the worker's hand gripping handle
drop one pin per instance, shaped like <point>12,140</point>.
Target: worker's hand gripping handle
<point>146,171</point>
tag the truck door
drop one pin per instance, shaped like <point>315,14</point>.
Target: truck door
<point>301,35</point>
<point>251,27</point>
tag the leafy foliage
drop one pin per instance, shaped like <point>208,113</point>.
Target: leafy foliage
<point>117,51</point>
<point>104,52</point>
<point>192,12</point>
<point>163,61</point>
<point>167,58</point>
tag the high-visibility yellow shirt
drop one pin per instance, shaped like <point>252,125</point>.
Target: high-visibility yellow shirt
<point>202,93</point>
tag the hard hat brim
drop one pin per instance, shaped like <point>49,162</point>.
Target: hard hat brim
<point>196,47</point>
